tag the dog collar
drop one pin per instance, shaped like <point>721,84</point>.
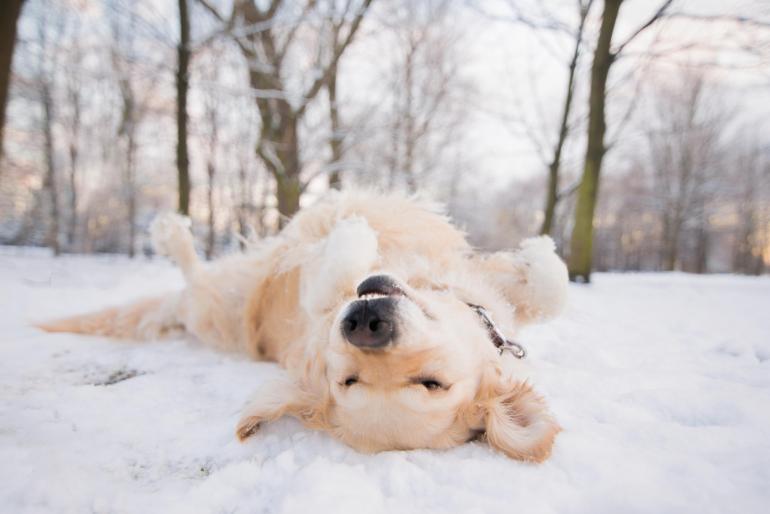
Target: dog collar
<point>498,339</point>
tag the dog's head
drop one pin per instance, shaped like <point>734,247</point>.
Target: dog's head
<point>406,363</point>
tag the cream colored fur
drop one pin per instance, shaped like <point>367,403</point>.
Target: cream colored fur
<point>284,301</point>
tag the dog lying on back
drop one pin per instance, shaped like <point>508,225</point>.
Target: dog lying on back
<point>380,314</point>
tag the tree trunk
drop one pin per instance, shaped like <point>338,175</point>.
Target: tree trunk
<point>278,145</point>
<point>288,190</point>
<point>74,154</point>
<point>581,244</point>
<point>9,15</point>
<point>211,237</point>
<point>552,190</point>
<point>551,198</point>
<point>409,122</point>
<point>130,186</point>
<point>278,148</point>
<point>672,250</point>
<point>335,142</point>
<point>702,250</point>
<point>182,86</point>
<point>50,183</point>
<point>242,206</point>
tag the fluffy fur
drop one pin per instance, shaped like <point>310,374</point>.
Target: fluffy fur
<point>285,300</point>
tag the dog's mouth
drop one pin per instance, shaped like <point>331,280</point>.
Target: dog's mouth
<point>379,286</point>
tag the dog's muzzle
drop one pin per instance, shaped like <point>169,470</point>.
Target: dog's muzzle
<point>370,322</point>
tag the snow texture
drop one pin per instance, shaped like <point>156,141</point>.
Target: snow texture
<point>661,382</point>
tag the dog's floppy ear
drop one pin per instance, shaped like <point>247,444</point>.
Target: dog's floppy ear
<point>279,397</point>
<point>518,423</point>
<point>532,278</point>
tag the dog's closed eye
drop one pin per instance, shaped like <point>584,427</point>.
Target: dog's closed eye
<point>432,385</point>
<point>429,383</point>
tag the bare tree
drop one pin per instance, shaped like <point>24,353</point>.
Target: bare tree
<point>212,122</point>
<point>10,10</point>
<point>552,190</point>
<point>683,151</point>
<point>264,36</point>
<point>182,87</point>
<point>581,242</point>
<point>133,107</point>
<point>74,86</point>
<point>549,28</point>
<point>49,32</point>
<point>336,137</point>
<point>426,93</point>
<point>752,177</point>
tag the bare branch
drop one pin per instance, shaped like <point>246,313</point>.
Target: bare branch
<point>741,20</point>
<point>210,8</point>
<point>655,17</point>
<point>293,31</point>
<point>337,54</point>
<point>569,191</point>
<point>548,22</point>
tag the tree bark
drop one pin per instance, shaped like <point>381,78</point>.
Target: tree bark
<point>702,250</point>
<point>581,244</point>
<point>211,236</point>
<point>50,183</point>
<point>244,204</point>
<point>278,149</point>
<point>211,112</point>
<point>409,121</point>
<point>182,87</point>
<point>10,10</point>
<point>335,142</point>
<point>288,191</point>
<point>74,153</point>
<point>130,185</point>
<point>671,233</point>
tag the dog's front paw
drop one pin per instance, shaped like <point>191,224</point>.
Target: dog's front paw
<point>276,398</point>
<point>247,426</point>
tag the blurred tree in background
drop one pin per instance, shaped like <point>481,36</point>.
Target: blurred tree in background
<point>634,133</point>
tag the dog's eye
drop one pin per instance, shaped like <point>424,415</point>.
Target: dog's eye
<point>350,381</point>
<point>431,385</point>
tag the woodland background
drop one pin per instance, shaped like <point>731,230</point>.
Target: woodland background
<point>636,133</point>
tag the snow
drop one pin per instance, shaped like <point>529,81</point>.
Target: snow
<point>661,381</point>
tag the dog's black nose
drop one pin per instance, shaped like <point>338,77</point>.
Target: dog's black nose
<point>370,324</point>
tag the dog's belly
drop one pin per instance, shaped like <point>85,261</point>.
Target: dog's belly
<point>273,318</point>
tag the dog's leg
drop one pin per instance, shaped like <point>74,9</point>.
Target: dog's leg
<point>171,237</point>
<point>149,318</point>
<point>146,319</point>
<point>345,257</point>
<point>533,278</point>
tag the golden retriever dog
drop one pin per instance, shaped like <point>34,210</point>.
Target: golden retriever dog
<point>380,314</point>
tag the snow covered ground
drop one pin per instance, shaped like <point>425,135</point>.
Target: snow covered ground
<point>662,383</point>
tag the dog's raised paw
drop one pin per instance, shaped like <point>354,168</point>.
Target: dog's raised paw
<point>169,231</point>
